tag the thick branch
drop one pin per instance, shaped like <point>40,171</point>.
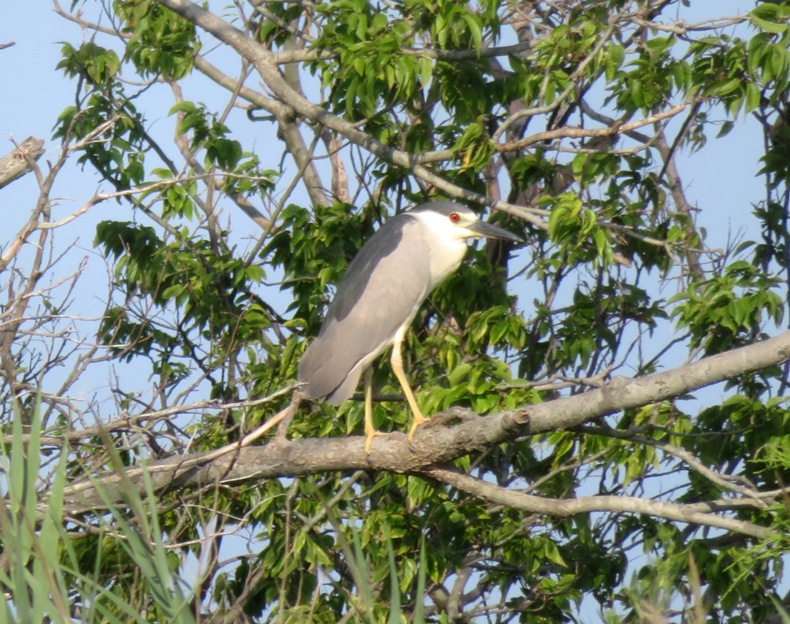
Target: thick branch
<point>436,444</point>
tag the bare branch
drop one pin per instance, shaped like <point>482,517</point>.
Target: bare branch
<point>19,161</point>
<point>569,132</point>
<point>699,513</point>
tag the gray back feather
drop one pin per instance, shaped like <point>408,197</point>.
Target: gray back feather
<point>381,291</point>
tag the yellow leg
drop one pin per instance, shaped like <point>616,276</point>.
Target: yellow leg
<point>370,430</point>
<point>396,361</point>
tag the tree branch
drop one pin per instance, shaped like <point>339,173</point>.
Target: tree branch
<point>700,513</point>
<point>267,68</point>
<point>463,433</point>
<point>569,132</point>
<point>19,161</point>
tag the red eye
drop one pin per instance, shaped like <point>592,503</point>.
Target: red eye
<point>454,217</point>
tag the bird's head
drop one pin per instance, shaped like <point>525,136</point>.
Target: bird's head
<point>450,221</point>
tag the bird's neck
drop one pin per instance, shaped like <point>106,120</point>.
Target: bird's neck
<point>445,257</point>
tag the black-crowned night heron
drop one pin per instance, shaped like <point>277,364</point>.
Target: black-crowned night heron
<point>383,288</point>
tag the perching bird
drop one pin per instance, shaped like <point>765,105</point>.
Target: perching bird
<point>382,290</point>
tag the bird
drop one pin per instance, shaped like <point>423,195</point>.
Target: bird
<point>379,295</point>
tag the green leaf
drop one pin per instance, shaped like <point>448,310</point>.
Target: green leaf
<point>426,71</point>
<point>766,25</point>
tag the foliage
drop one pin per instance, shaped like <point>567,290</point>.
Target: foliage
<point>245,176</point>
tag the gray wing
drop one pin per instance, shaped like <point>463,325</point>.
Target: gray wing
<point>380,292</point>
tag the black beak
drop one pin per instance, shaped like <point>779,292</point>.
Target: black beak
<point>492,231</point>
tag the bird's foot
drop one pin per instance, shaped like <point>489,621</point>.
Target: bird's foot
<point>369,435</point>
<point>419,420</point>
